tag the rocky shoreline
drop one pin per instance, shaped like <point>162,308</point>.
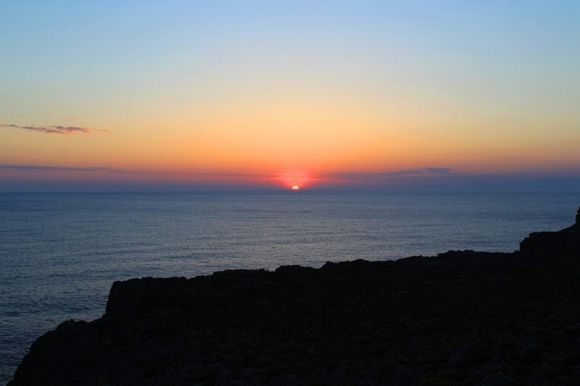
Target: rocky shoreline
<point>460,318</point>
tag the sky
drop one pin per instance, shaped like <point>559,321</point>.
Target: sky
<point>276,93</point>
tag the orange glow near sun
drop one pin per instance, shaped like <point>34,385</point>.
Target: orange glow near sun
<point>294,180</point>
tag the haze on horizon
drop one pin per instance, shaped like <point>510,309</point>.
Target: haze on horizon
<point>276,93</point>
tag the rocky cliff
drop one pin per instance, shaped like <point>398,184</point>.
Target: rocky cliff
<point>563,243</point>
<point>460,318</point>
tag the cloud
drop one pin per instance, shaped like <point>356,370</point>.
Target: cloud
<point>344,176</point>
<point>105,169</point>
<point>403,177</point>
<point>15,177</point>
<point>43,168</point>
<point>53,169</point>
<point>54,129</point>
<point>417,172</point>
<point>420,171</point>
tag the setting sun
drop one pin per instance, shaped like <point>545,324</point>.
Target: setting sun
<point>295,179</point>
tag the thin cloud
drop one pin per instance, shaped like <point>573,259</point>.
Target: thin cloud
<point>105,169</point>
<point>63,130</point>
<point>417,172</point>
<point>345,176</point>
<point>360,178</point>
<point>47,168</point>
<point>420,171</point>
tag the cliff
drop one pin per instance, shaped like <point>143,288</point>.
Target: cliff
<point>460,318</point>
<point>563,243</point>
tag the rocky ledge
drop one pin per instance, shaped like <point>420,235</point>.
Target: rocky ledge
<point>460,318</point>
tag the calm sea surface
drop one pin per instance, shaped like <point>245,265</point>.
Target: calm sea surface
<point>60,253</point>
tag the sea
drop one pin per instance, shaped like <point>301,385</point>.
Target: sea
<point>60,252</point>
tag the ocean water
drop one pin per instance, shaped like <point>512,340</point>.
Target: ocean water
<point>60,253</point>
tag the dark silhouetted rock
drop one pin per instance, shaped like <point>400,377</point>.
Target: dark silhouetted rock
<point>557,244</point>
<point>461,318</point>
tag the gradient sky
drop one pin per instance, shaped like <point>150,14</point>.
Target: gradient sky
<point>284,92</point>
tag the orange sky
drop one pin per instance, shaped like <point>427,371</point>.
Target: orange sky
<point>250,94</point>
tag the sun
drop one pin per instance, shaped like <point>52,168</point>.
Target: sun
<point>294,180</point>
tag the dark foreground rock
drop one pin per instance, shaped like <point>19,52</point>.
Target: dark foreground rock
<point>563,243</point>
<point>461,318</point>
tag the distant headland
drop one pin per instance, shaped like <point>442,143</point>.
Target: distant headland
<point>460,318</point>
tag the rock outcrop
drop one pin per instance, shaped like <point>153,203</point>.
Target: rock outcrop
<point>563,243</point>
<point>461,318</point>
